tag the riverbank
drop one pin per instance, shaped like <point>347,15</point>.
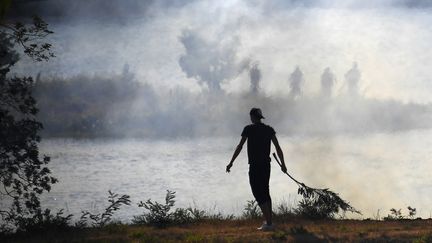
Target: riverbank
<point>294,230</point>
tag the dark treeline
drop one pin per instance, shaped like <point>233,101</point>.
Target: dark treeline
<point>119,105</point>
<point>78,106</point>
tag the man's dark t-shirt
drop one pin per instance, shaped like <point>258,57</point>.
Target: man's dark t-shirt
<point>259,137</point>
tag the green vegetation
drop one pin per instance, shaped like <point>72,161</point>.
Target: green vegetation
<point>252,210</point>
<point>162,222</point>
<point>163,215</point>
<point>105,218</point>
<point>396,214</point>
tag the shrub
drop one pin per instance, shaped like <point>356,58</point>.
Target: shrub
<point>44,221</point>
<point>396,214</point>
<point>411,212</point>
<point>102,219</point>
<point>162,215</point>
<point>197,214</point>
<point>313,209</point>
<point>283,209</point>
<point>159,215</point>
<point>183,216</point>
<point>251,210</point>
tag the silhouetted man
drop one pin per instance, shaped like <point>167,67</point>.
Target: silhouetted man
<point>255,77</point>
<point>352,78</point>
<point>259,136</point>
<point>296,80</point>
<point>327,82</point>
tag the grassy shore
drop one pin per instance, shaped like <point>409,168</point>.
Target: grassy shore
<point>291,230</point>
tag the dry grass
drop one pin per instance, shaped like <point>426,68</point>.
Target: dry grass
<point>295,230</point>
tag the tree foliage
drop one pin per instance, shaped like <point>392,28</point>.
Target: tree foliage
<point>24,174</point>
<point>30,37</point>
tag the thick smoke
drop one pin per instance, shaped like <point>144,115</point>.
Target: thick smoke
<point>210,62</point>
<point>386,38</point>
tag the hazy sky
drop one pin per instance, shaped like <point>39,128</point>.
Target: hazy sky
<point>388,38</point>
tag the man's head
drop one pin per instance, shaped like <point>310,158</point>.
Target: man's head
<point>256,115</point>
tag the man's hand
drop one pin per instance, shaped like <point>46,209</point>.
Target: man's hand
<point>229,167</point>
<point>284,169</point>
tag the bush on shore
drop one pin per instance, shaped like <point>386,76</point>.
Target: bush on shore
<point>163,215</point>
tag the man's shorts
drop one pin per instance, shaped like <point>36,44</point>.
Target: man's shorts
<point>259,177</point>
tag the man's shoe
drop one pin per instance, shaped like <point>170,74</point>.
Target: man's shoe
<point>266,227</point>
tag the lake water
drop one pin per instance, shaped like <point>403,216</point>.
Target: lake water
<point>372,171</point>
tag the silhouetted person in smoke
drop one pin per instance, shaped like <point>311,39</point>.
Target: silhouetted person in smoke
<point>352,78</point>
<point>295,81</point>
<point>327,82</point>
<point>259,136</point>
<point>255,77</point>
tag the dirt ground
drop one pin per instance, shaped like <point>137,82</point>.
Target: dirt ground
<point>295,230</point>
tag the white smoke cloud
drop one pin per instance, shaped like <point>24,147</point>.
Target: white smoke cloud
<point>388,39</point>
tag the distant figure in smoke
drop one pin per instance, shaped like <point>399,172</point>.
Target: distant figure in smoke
<point>259,136</point>
<point>127,75</point>
<point>327,82</point>
<point>255,77</point>
<point>352,78</point>
<point>295,81</point>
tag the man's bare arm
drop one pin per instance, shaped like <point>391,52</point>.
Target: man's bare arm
<point>236,153</point>
<point>279,153</point>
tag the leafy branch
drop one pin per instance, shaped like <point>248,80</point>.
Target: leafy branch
<point>30,37</point>
<point>102,219</point>
<point>319,203</point>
